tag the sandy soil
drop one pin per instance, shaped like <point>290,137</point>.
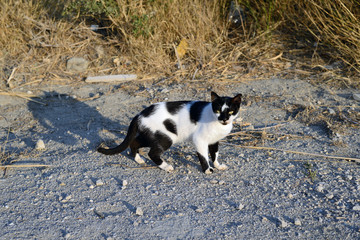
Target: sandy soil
<point>265,193</point>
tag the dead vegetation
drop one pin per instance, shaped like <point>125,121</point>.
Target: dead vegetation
<point>333,120</point>
<point>242,39</point>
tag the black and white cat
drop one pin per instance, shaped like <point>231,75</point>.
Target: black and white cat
<point>165,123</point>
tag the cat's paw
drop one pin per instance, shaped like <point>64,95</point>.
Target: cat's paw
<point>209,170</point>
<point>222,167</point>
<point>139,159</point>
<point>167,167</point>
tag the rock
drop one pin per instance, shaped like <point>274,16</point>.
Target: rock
<point>240,206</point>
<point>329,196</point>
<point>40,145</point>
<point>320,187</point>
<point>139,211</point>
<point>99,182</point>
<point>124,183</point>
<point>297,222</point>
<point>222,182</point>
<point>348,177</point>
<point>199,210</point>
<point>282,222</point>
<point>331,111</point>
<point>356,96</point>
<point>356,207</point>
<point>77,64</point>
<point>213,181</point>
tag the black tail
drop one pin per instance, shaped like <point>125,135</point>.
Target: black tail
<point>131,134</point>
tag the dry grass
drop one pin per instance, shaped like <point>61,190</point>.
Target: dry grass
<point>276,38</point>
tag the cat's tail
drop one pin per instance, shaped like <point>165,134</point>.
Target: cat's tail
<point>131,134</point>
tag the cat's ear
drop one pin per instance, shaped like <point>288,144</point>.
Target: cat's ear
<point>214,96</point>
<point>236,99</point>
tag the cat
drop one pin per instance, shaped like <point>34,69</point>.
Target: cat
<point>165,123</point>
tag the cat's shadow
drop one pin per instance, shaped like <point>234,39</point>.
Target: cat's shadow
<point>68,121</point>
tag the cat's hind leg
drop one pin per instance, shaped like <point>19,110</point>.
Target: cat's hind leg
<point>134,148</point>
<point>161,144</point>
<point>214,152</point>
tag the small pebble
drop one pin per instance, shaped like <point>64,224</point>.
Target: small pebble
<point>214,181</point>
<point>329,196</point>
<point>356,96</point>
<point>124,183</point>
<point>40,145</point>
<point>221,182</point>
<point>139,211</point>
<point>99,182</point>
<point>356,208</point>
<point>320,187</point>
<point>240,206</point>
<point>297,222</point>
<point>199,210</point>
<point>283,224</point>
<point>348,177</point>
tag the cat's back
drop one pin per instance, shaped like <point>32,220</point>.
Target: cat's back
<point>177,119</point>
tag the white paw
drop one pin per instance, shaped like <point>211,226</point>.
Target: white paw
<point>167,167</point>
<point>209,171</point>
<point>220,166</point>
<point>139,159</point>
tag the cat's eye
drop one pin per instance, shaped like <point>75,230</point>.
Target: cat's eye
<point>231,112</point>
<point>218,111</point>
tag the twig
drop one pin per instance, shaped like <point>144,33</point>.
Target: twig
<point>11,76</point>
<point>24,166</point>
<point>259,129</point>
<point>178,58</point>
<point>357,160</point>
<point>125,166</point>
<point>21,95</point>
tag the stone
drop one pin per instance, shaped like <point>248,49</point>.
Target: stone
<point>99,182</point>
<point>213,181</point>
<point>40,145</point>
<point>320,187</point>
<point>356,207</point>
<point>329,196</point>
<point>297,222</point>
<point>356,96</point>
<point>124,183</point>
<point>77,64</point>
<point>199,210</point>
<point>282,224</point>
<point>240,206</point>
<point>139,211</point>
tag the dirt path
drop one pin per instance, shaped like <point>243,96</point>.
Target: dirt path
<point>265,194</point>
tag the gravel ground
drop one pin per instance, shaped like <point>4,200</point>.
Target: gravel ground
<point>265,193</point>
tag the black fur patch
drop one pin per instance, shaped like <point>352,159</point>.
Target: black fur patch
<point>203,162</point>
<point>160,144</point>
<point>196,110</point>
<point>174,107</point>
<point>148,111</point>
<point>170,126</point>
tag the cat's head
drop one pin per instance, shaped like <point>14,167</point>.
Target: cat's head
<point>225,109</point>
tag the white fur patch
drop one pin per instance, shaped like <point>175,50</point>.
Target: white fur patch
<point>167,167</point>
<point>225,106</point>
<point>220,166</point>
<point>139,159</point>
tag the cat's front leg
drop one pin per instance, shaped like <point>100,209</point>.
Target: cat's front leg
<point>203,154</point>
<point>214,152</point>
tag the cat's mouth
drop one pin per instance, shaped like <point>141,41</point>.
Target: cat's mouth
<point>224,122</point>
